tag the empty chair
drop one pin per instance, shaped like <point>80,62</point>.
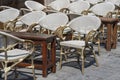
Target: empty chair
<point>82,28</point>
<point>29,21</point>
<point>11,54</point>
<point>57,5</point>
<point>83,24</point>
<point>53,21</point>
<point>103,9</point>
<point>77,8</point>
<point>93,2</point>
<point>117,6</point>
<point>116,2</point>
<point>8,17</point>
<point>34,6</point>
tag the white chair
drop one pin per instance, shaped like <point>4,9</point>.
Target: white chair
<point>83,24</point>
<point>53,21</point>
<point>34,5</point>
<point>57,5</point>
<point>30,21</point>
<point>11,54</point>
<point>8,17</point>
<point>103,9</point>
<point>117,7</point>
<point>93,2</point>
<point>77,8</point>
<point>116,2</point>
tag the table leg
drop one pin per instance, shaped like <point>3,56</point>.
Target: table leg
<point>114,36</point>
<point>108,43</point>
<point>53,55</point>
<point>44,59</point>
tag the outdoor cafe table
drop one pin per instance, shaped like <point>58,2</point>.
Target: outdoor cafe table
<point>43,40</point>
<point>111,24</point>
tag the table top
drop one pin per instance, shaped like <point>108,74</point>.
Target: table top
<point>32,36</point>
<point>109,20</point>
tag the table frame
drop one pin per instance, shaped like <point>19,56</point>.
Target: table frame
<point>111,24</point>
<point>43,40</point>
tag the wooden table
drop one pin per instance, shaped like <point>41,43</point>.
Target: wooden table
<point>111,24</point>
<point>43,40</point>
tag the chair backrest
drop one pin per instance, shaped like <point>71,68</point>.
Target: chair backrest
<point>78,7</point>
<point>4,7</point>
<point>32,17</point>
<point>116,2</point>
<point>59,4</point>
<point>102,9</point>
<point>54,20</point>
<point>94,1</point>
<point>85,24</point>
<point>9,15</point>
<point>7,39</point>
<point>34,6</point>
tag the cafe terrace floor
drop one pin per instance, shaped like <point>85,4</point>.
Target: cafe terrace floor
<point>109,68</point>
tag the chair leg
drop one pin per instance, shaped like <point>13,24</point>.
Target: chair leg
<point>60,64</point>
<point>5,71</point>
<point>33,68</point>
<point>95,59</point>
<point>82,58</point>
<point>99,47</point>
<point>5,78</point>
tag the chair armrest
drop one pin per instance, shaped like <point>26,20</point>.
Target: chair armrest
<point>29,29</point>
<point>29,45</point>
<point>10,25</point>
<point>59,32</point>
<point>24,11</point>
<point>65,10</point>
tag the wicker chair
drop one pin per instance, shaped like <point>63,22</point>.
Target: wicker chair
<point>53,21</point>
<point>29,21</point>
<point>13,51</point>
<point>57,5</point>
<point>77,8</point>
<point>103,9</point>
<point>93,2</point>
<point>87,25</point>
<point>8,18</point>
<point>34,6</point>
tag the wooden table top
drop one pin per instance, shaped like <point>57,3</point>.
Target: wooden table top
<point>33,36</point>
<point>108,20</point>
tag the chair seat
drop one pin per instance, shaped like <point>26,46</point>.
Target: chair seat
<point>14,54</point>
<point>23,30</point>
<point>73,43</point>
